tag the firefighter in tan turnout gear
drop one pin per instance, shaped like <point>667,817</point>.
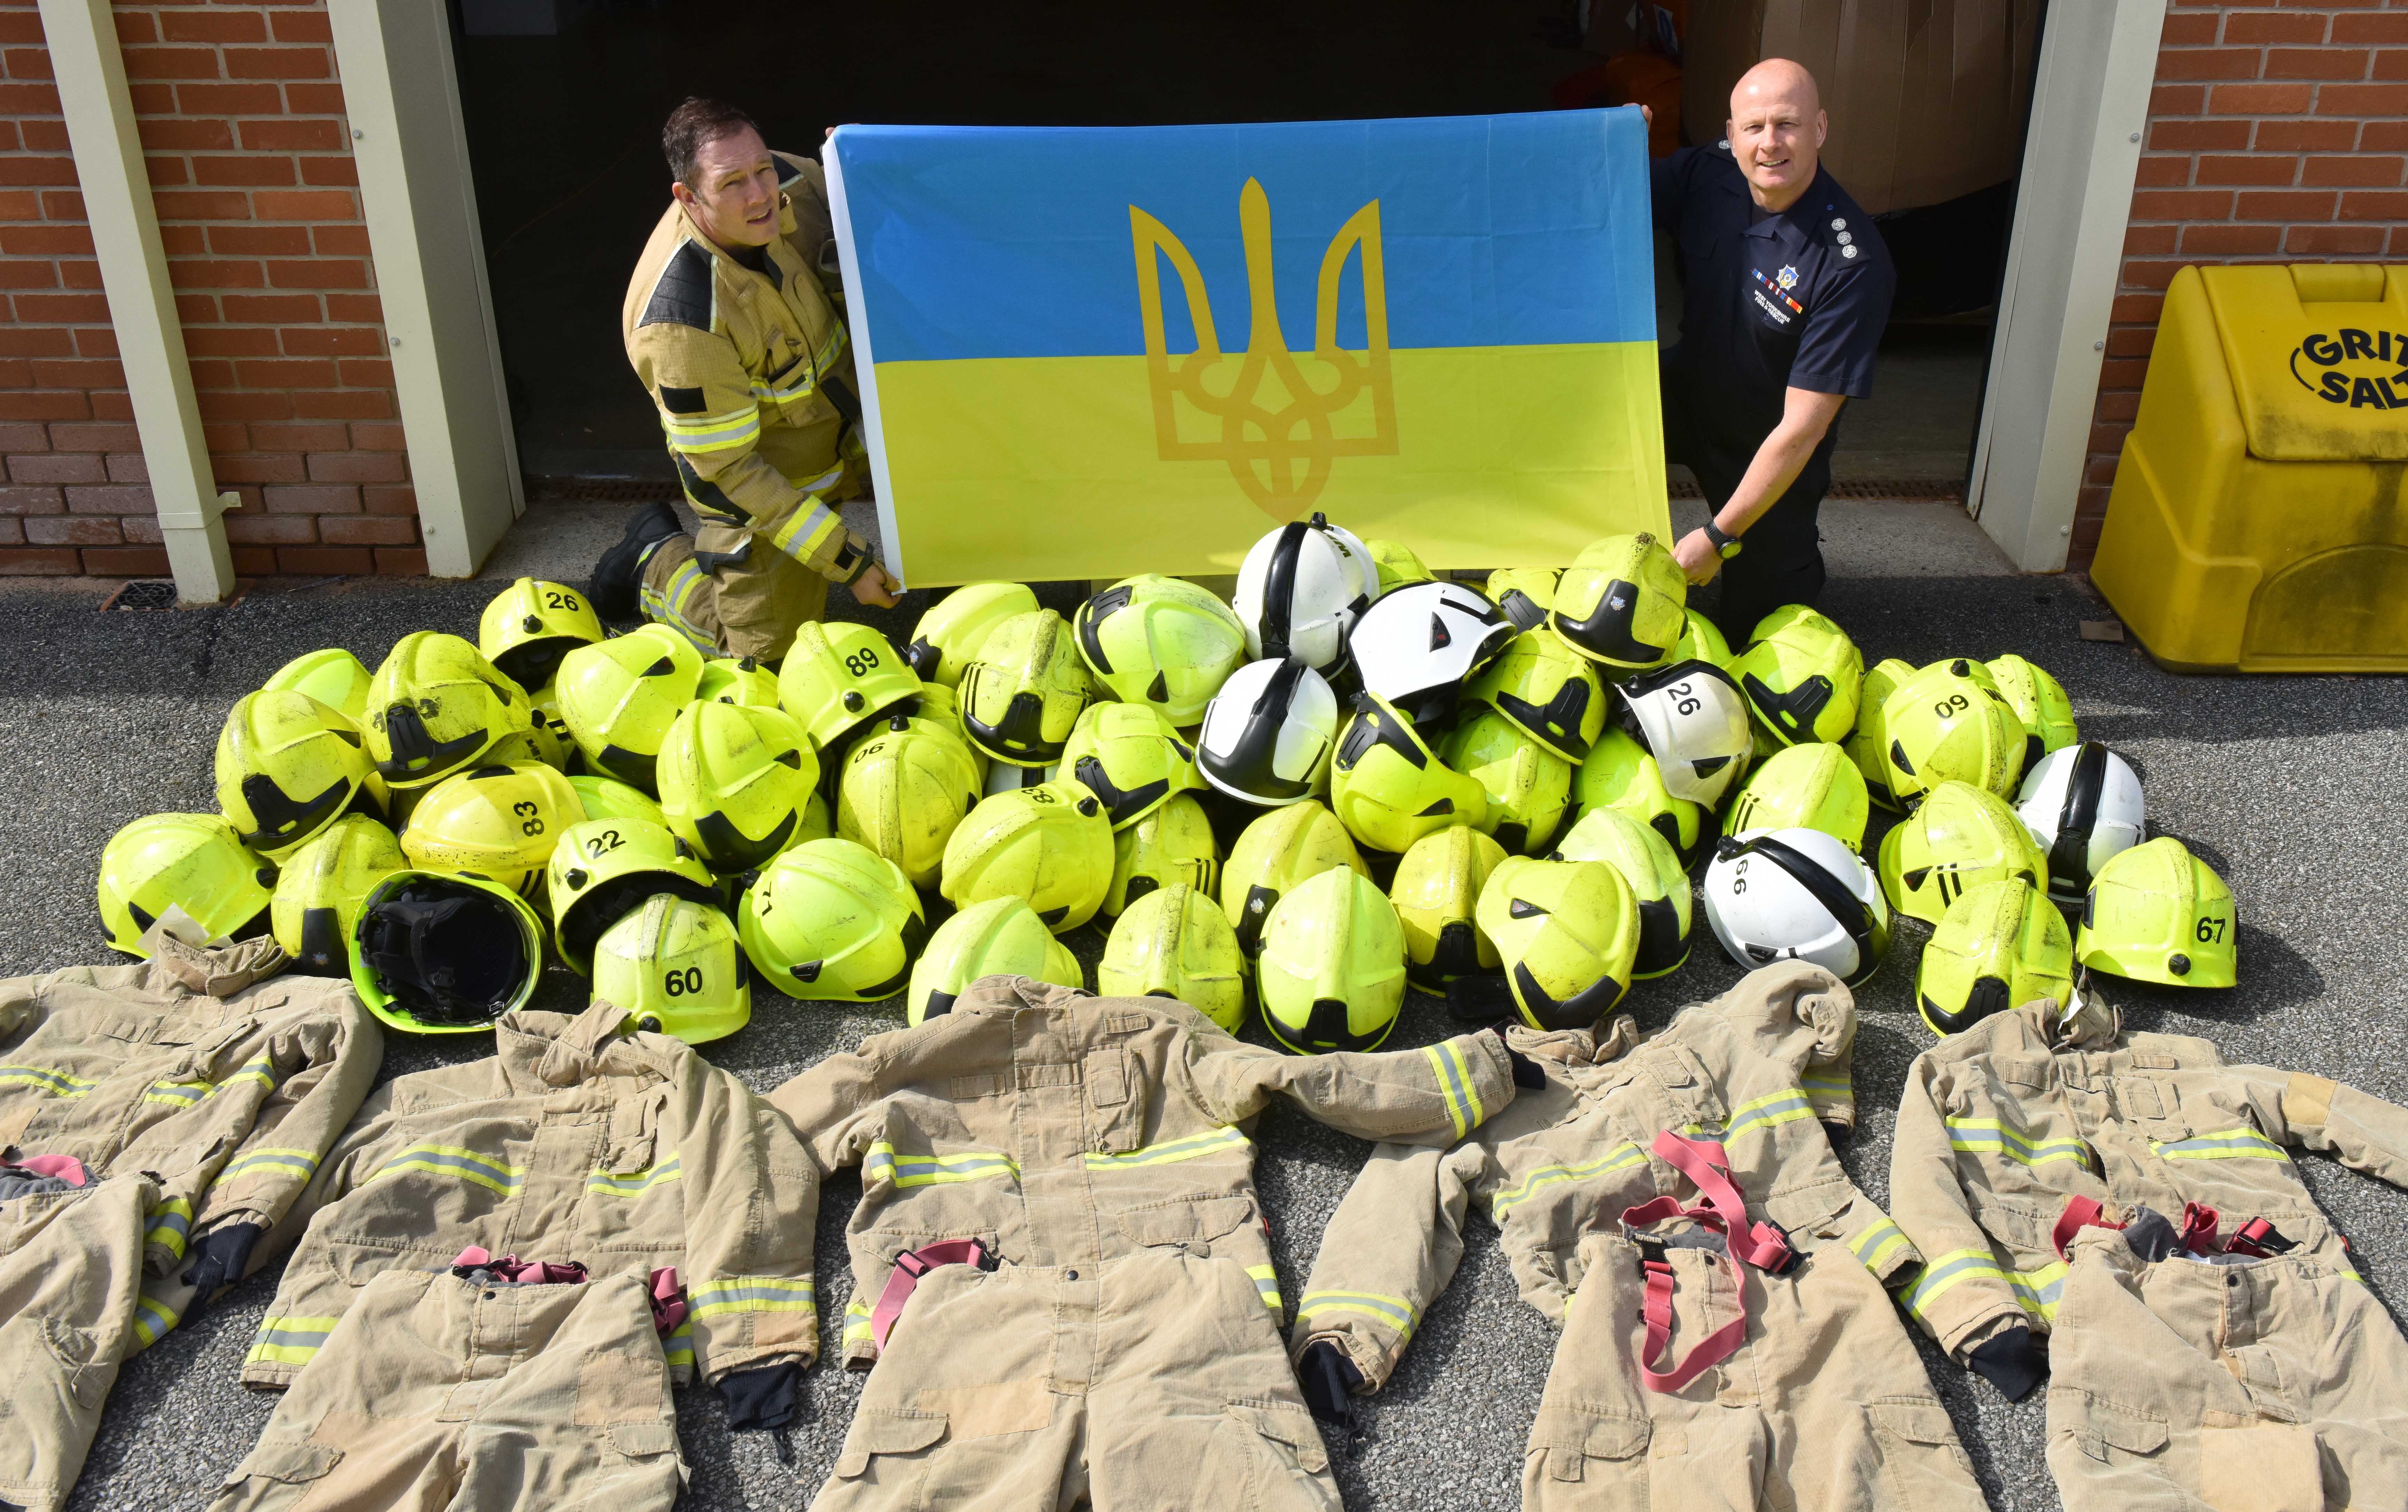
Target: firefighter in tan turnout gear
<point>1060,1266</point>
<point>732,324</point>
<point>2133,1196</point>
<point>1710,1360</point>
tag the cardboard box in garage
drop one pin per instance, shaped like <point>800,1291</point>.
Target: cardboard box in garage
<point>1927,97</point>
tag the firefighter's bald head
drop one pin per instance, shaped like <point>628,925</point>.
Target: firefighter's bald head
<point>1777,126</point>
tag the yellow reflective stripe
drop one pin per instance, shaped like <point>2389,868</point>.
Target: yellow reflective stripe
<point>884,1164</point>
<point>2038,1291</point>
<point>290,1341</point>
<point>1390,1312</point>
<point>1766,1112</point>
<point>1994,1136</point>
<point>831,346</point>
<point>153,1321</point>
<point>1877,1244</point>
<point>170,1225</point>
<point>1620,1158</point>
<point>821,484</point>
<point>1267,1284</point>
<point>857,1322</point>
<point>177,1093</point>
<point>636,1183</point>
<point>679,1348</point>
<point>1463,1108</point>
<point>300,1162</point>
<point>713,433</point>
<point>674,605</point>
<point>1191,1148</point>
<point>801,536</point>
<point>63,1083</point>
<point>2353,1276</point>
<point>750,1294</point>
<point>1942,1274</point>
<point>467,1164</point>
<point>261,1071</point>
<point>2224,1144</point>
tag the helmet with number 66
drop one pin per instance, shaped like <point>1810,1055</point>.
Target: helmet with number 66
<point>1797,895</point>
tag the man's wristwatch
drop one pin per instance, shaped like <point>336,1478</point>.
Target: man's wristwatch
<point>1726,547</point>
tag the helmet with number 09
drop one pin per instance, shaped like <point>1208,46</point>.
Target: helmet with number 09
<point>1949,723</point>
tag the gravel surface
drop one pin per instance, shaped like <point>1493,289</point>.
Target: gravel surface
<point>2291,787</point>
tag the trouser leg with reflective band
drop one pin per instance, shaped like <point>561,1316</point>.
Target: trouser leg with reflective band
<point>731,590</point>
<point>70,1275</point>
<point>1824,1404</point>
<point>2234,1383</point>
<point>1154,1381</point>
<point>435,1392</point>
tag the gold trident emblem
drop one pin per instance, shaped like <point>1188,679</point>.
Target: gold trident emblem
<point>1281,416</point>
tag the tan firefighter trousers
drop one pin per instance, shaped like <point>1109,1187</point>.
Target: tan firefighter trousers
<point>70,1275</point>
<point>436,1392</point>
<point>1825,1405</point>
<point>2274,1385</point>
<point>1153,1381</point>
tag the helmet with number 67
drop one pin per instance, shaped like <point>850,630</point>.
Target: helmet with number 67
<point>2157,913</point>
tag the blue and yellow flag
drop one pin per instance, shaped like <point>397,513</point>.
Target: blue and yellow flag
<point>1090,352</point>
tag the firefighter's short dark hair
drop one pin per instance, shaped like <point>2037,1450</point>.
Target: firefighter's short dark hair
<point>695,125</point>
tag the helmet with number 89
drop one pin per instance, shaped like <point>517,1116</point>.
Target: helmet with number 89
<point>839,675</point>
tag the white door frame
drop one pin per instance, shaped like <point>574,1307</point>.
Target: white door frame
<point>2065,255</point>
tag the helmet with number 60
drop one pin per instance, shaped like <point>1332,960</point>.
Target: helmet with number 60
<point>675,966</point>
<point>605,868</point>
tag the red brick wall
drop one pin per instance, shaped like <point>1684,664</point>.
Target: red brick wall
<point>250,167</point>
<point>2274,135</point>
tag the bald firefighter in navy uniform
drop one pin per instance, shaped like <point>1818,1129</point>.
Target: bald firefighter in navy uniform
<point>732,324</point>
<point>1788,288</point>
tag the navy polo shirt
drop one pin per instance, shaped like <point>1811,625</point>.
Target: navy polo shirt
<point>1794,300</point>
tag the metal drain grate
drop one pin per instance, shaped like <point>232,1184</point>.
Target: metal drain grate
<point>142,593</point>
<point>1904,489</point>
<point>600,490</point>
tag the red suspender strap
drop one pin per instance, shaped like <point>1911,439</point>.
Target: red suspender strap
<point>909,1267</point>
<point>1712,1349</point>
<point>1702,1162</point>
<point>2080,1213</point>
<point>2198,1226</point>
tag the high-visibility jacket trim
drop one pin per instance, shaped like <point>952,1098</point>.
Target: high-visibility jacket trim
<point>1463,1108</point>
<point>634,1183</point>
<point>1396,1312</point>
<point>1189,1149</point>
<point>301,1163</point>
<point>290,1341</point>
<point>2225,1145</point>
<point>882,1164</point>
<point>752,1295</point>
<point>712,433</point>
<point>1995,1137</point>
<point>1267,1283</point>
<point>1620,1158</point>
<point>60,1082</point>
<point>467,1164</point>
<point>170,1225</point>
<point>153,1321</point>
<point>1878,1244</point>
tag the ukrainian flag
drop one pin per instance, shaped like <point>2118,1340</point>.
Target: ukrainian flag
<point>1090,352</point>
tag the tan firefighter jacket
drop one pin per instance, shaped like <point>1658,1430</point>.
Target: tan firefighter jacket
<point>225,1079</point>
<point>753,374</point>
<point>572,1142</point>
<point>1062,1129</point>
<point>2003,1123</point>
<point>1567,1160</point>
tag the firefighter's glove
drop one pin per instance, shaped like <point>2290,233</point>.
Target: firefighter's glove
<point>1527,1074</point>
<point>1330,1378</point>
<point>763,1397</point>
<point>2012,1361</point>
<point>218,1262</point>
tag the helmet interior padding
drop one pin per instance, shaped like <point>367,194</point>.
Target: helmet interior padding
<point>446,955</point>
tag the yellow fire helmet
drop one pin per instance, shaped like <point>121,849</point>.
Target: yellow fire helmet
<point>1622,602</point>
<point>736,679</point>
<point>1959,837</point>
<point>546,700</point>
<point>1999,946</point>
<point>2157,913</point>
<point>318,891</point>
<point>1389,789</point>
<point>1801,675</point>
<point>828,920</point>
<point>1436,888</point>
<point>819,820</point>
<point>839,674</point>
<point>334,677</point>
<point>286,765</point>
<point>1620,774</point>
<point>1163,642</point>
<point>603,869</point>
<point>1174,844</point>
<point>1273,857</point>
<point>1023,692</point>
<point>1528,786</point>
<point>538,744</point>
<point>1398,566</point>
<point>1948,724</point>
<point>1812,786</point>
<point>1549,690</point>
<point>1867,745</point>
<point>1567,934</point>
<point>1331,975</point>
<point>1524,594</point>
<point>435,706</point>
<point>675,966</point>
<point>498,822</point>
<point>999,938</point>
<point>619,697</point>
<point>904,790</point>
<point>1050,843</point>
<point>2040,703</point>
<point>444,953</point>
<point>1129,756</point>
<point>1658,882</point>
<point>606,797</point>
<point>1177,943</point>
<point>947,637</point>
<point>734,780</point>
<point>189,869</point>
<point>1701,641</point>
<point>940,705</point>
<point>530,625</point>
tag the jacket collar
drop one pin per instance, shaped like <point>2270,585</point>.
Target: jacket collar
<point>559,1049</point>
<point>728,265</point>
<point>2094,1023</point>
<point>177,968</point>
<point>1577,1047</point>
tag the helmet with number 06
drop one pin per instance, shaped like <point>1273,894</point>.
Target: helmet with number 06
<point>1693,720</point>
<point>1797,895</point>
<point>675,965</point>
<point>1300,591</point>
<point>904,790</point>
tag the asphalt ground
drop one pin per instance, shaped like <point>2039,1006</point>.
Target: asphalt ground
<point>2292,786</point>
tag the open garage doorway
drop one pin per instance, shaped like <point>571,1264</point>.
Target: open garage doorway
<point>563,102</point>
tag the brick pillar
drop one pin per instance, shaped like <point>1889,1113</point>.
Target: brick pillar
<point>242,115</point>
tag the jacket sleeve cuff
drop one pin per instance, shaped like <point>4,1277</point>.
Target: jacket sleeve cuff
<point>850,560</point>
<point>1372,1364</point>
<point>1492,1075</point>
